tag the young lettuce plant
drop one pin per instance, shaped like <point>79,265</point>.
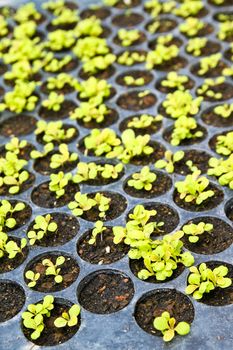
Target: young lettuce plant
<point>184,129</point>
<point>193,188</point>
<point>54,101</point>
<point>223,170</point>
<point>33,318</point>
<point>60,39</point>
<point>90,171</point>
<point>81,204</point>
<point>46,150</point>
<point>90,26</point>
<point>175,81</point>
<point>209,87</point>
<point>64,156</point>
<point>15,145</point>
<point>210,62</point>
<point>94,89</point>
<point>60,81</point>
<point>195,230</point>
<point>9,248</point>
<point>142,180</point>
<point>90,111</point>
<point>128,37</point>
<point>168,326</point>
<point>224,144</point>
<point>191,26</point>
<point>57,64</point>
<point>7,211</point>
<point>161,55</point>
<point>225,110</point>
<point>33,277</point>
<point>169,160</point>
<point>129,58</point>
<point>69,318</point>
<point>103,203</point>
<point>195,46</point>
<point>130,80</point>
<point>97,230</point>
<point>98,63</point>
<point>103,142</point>
<point>203,280</point>
<point>53,131</point>
<point>89,47</point>
<point>43,226</point>
<point>58,183</point>
<point>54,269</point>
<point>144,121</point>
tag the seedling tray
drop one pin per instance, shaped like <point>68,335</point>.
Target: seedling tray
<point>212,326</point>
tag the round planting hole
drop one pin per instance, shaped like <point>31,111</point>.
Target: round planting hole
<point>12,299</point>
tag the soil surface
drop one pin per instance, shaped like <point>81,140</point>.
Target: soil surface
<point>12,299</point>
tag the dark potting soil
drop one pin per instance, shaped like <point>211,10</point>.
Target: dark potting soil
<point>42,165</point>
<point>133,102</point>
<point>147,76</point>
<point>39,138</point>
<point>109,119</point>
<point>127,20</point>
<point>105,291</point>
<point>175,41</point>
<point>67,228</point>
<point>208,204</point>
<point>117,206</point>
<point>153,128</point>
<point>229,55</point>
<point>200,159</point>
<point>3,68</point>
<point>7,264</point>
<point>161,185</point>
<point>66,108</point>
<point>154,303</point>
<point>52,335</point>
<point>46,283</point>
<point>65,26</point>
<point>67,89</point>
<point>104,251</point>
<point>101,74</point>
<point>165,213</point>
<point>167,135</point>
<point>44,198</point>
<point>209,117</point>
<point>4,190</point>
<point>173,65</point>
<point>100,13</point>
<point>212,242</point>
<point>18,125</point>
<point>12,299</point>
<point>229,209</point>
<point>165,25</point>
<point>219,296</point>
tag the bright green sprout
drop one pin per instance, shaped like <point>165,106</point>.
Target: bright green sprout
<point>25,30</point>
<point>57,64</point>
<point>225,30</point>
<point>143,180</point>
<point>64,156</point>
<point>54,269</point>
<point>189,8</point>
<point>195,230</point>
<point>66,16</point>
<point>15,145</point>
<point>90,47</point>
<point>128,58</point>
<point>169,161</point>
<point>98,63</point>
<point>94,89</point>
<point>58,183</point>
<point>46,150</point>
<point>160,55</point>
<point>33,277</point>
<point>184,129</point>
<point>3,27</point>
<point>196,45</point>
<point>181,103</point>
<point>90,171</point>
<point>103,204</point>
<point>90,111</point>
<point>9,248</point>
<point>54,101</point>
<point>175,81</point>
<point>225,110</point>
<point>203,280</point>
<point>153,27</point>
<point>129,80</point>
<point>223,170</point>
<point>210,62</point>
<point>69,318</point>
<point>191,26</point>
<point>54,6</point>
<point>144,121</point>
<point>209,86</point>
<point>60,39</point>
<point>128,37</point>
<point>102,142</point>
<point>224,144</point>
<point>97,230</point>
<point>7,210</point>
<point>90,26</point>
<point>42,227</point>
<point>54,131</point>
<point>33,318</point>
<point>193,187</point>
<point>27,12</point>
<point>81,204</point>
<point>168,326</point>
<point>62,80</point>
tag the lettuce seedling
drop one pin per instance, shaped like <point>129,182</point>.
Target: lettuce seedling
<point>181,103</point>
<point>43,226</point>
<point>10,248</point>
<point>209,86</point>
<point>54,269</point>
<point>102,142</point>
<point>3,26</point>
<point>69,318</point>
<point>225,110</point>
<point>90,26</point>
<point>109,171</point>
<point>46,150</point>
<point>128,58</point>
<point>175,81</point>
<point>81,203</point>
<point>6,212</point>
<point>53,131</point>
<point>15,145</point>
<point>130,80</point>
<point>33,277</point>
<point>97,230</point>
<point>224,144</point>
<point>90,47</point>
<point>90,171</point>
<point>66,16</point>
<point>142,180</point>
<point>223,170</point>
<point>94,89</point>
<point>64,156</point>
<point>24,30</point>
<point>27,12</point>
<point>225,30</point>
<point>195,230</point>
<point>191,26</point>
<point>33,318</point>
<point>54,101</point>
<point>60,39</point>
<point>144,121</point>
<point>193,187</point>
<point>98,63</point>
<point>169,326</point>
<point>54,6</point>
<point>195,46</point>
<point>128,37</point>
<point>203,280</point>
<point>184,129</point>
<point>160,55</point>
<point>103,203</point>
<point>58,183</point>
<point>91,111</point>
<point>60,81</point>
<point>169,160</point>
<point>210,62</point>
<point>189,8</point>
<point>57,64</point>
